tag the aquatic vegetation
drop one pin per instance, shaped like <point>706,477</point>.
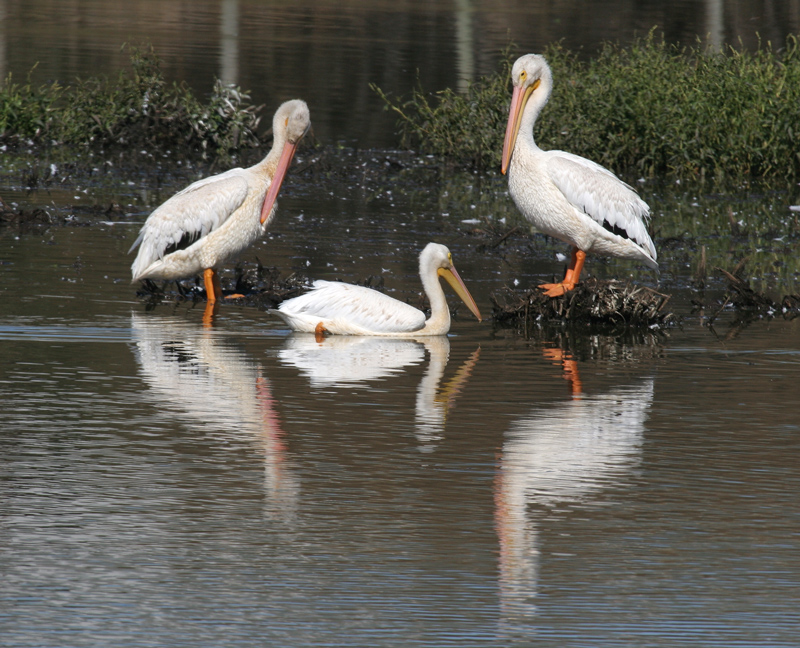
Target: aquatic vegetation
<point>138,109</point>
<point>651,108</point>
<point>722,223</point>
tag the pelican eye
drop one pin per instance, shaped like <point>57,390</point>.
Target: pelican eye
<point>523,76</point>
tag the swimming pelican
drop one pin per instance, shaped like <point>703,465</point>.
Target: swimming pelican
<point>564,195</point>
<point>345,309</point>
<point>216,218</point>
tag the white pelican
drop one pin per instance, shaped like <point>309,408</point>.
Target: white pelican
<point>566,196</point>
<point>216,218</point>
<point>345,309</point>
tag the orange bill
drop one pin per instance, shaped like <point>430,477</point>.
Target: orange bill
<point>277,180</point>
<point>451,276</point>
<point>519,98</point>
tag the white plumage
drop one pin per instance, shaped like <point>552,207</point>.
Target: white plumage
<point>566,196</point>
<point>344,309</point>
<point>214,219</point>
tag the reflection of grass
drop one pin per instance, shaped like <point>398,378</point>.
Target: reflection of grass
<point>733,224</point>
<point>461,128</point>
<point>756,227</point>
<point>136,110</point>
<point>652,109</point>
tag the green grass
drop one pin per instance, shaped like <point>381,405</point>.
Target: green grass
<point>651,108</point>
<point>138,109</point>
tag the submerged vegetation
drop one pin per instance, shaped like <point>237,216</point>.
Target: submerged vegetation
<point>651,108</point>
<point>138,109</point>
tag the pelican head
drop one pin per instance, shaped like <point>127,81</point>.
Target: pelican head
<point>292,119</point>
<point>290,123</point>
<point>529,74</point>
<point>437,258</point>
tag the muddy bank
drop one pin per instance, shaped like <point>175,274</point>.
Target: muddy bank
<point>253,285</point>
<point>596,306</point>
<point>471,208</point>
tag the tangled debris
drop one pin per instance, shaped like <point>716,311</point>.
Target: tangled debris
<point>23,219</point>
<point>257,286</point>
<point>750,304</point>
<point>593,302</point>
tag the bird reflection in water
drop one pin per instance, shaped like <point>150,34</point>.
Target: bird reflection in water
<point>342,361</point>
<point>433,404</point>
<point>554,457</point>
<point>203,380</point>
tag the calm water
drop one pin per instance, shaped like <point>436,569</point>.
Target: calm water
<point>328,51</point>
<point>167,484</point>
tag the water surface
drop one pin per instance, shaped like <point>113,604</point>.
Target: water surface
<point>164,483</point>
<point>329,52</point>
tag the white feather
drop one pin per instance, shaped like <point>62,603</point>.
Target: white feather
<point>339,304</point>
<point>601,195</point>
<point>194,212</point>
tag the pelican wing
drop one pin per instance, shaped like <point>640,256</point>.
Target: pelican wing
<point>601,195</point>
<point>353,307</point>
<point>190,215</point>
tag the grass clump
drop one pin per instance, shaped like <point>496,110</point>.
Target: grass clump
<point>138,109</point>
<point>651,108</point>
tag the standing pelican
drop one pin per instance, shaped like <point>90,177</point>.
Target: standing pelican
<point>344,309</point>
<point>216,218</point>
<point>564,195</point>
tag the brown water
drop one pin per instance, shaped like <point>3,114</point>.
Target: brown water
<point>167,484</point>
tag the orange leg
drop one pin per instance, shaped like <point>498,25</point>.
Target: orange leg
<point>571,277</point>
<point>213,285</point>
<point>209,313</point>
<point>319,332</point>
